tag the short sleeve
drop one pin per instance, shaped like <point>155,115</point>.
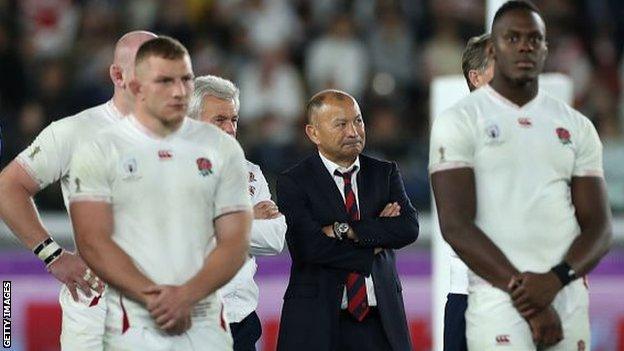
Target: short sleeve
<point>45,159</point>
<point>90,174</point>
<point>452,144</point>
<point>588,158</point>
<point>232,192</point>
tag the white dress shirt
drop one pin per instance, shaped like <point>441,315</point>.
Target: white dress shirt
<point>331,168</point>
<point>240,295</point>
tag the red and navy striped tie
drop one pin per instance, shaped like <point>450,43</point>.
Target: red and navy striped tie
<point>356,285</point>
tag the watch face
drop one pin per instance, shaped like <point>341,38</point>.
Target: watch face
<point>343,228</point>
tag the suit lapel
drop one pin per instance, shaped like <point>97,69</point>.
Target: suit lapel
<point>324,181</point>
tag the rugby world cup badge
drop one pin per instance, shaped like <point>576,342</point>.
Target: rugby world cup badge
<point>130,169</point>
<point>493,134</point>
<point>204,166</point>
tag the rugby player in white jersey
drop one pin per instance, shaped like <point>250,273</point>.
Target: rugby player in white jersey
<point>46,161</point>
<point>517,178</point>
<point>216,100</point>
<point>161,212</point>
<point>478,69</point>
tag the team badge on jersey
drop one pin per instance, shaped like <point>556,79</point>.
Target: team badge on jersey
<point>204,166</point>
<point>252,177</point>
<point>580,345</point>
<point>503,339</point>
<point>563,135</point>
<point>525,122</point>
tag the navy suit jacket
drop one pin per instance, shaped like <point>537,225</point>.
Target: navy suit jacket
<point>309,198</point>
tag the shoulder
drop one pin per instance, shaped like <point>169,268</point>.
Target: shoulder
<point>302,168</point>
<point>563,110</point>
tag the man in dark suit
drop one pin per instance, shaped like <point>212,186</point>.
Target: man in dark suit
<point>346,212</point>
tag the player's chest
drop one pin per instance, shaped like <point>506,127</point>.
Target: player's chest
<point>520,140</point>
<point>166,169</point>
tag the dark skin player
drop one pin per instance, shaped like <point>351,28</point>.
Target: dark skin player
<point>519,50</point>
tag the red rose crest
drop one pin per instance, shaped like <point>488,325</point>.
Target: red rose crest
<point>204,165</point>
<point>564,135</point>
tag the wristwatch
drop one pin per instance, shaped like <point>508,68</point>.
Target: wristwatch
<point>341,230</point>
<point>565,273</point>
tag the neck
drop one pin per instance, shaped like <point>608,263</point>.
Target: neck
<point>121,103</point>
<point>157,126</point>
<point>518,92</point>
<point>345,163</point>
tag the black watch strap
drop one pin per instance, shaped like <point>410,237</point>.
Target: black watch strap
<point>564,272</point>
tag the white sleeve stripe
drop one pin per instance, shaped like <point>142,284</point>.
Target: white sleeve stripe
<point>31,172</point>
<point>90,198</point>
<point>449,165</point>
<point>589,173</point>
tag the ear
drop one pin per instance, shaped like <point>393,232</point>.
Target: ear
<point>116,74</point>
<point>473,76</point>
<point>311,133</point>
<point>489,49</point>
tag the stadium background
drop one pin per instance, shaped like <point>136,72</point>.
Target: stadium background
<point>54,57</point>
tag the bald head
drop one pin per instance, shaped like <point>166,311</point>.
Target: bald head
<point>323,98</point>
<point>127,47</point>
<point>122,70</point>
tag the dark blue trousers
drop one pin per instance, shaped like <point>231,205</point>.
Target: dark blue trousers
<point>246,333</point>
<point>455,322</point>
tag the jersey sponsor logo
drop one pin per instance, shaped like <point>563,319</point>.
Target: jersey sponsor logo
<point>252,190</point>
<point>563,135</point>
<point>204,166</point>
<point>34,152</point>
<point>503,339</point>
<point>525,122</point>
<point>252,177</point>
<point>165,154</point>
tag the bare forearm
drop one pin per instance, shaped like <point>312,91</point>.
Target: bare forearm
<point>481,255</point>
<point>219,268</point>
<point>115,267</point>
<point>18,211</point>
<point>587,250</point>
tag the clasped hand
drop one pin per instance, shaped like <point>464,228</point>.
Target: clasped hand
<point>532,295</point>
<point>170,306</point>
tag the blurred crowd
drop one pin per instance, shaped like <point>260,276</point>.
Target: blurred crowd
<point>54,58</point>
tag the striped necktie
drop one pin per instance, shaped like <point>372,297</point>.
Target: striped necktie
<point>355,284</point>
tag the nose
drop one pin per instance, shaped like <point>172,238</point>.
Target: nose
<point>351,130</point>
<point>229,128</point>
<point>526,45</point>
<point>179,89</point>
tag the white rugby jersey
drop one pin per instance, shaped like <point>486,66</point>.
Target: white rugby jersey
<point>165,194</point>
<point>240,295</point>
<point>523,159</point>
<point>47,159</point>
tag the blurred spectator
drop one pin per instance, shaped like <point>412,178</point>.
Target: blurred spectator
<point>442,52</point>
<point>271,86</point>
<point>613,156</point>
<point>50,26</point>
<point>391,35</point>
<point>271,24</point>
<point>338,60</point>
